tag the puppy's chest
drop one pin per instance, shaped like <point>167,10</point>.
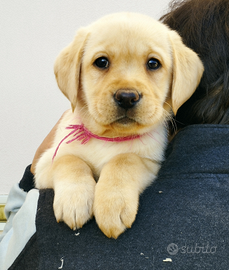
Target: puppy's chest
<point>97,153</point>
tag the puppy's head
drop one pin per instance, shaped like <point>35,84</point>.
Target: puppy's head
<point>124,72</point>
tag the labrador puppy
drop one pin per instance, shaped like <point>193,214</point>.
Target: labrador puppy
<point>124,75</point>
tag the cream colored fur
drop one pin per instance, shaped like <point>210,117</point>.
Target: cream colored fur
<point>105,179</point>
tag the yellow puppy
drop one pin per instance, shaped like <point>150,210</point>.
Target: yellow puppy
<point>122,75</point>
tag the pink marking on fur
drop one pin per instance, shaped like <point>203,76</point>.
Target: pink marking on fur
<point>151,136</point>
<point>131,145</point>
<point>61,143</point>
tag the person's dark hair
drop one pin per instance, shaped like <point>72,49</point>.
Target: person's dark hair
<point>204,27</point>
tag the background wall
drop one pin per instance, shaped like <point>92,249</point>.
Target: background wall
<point>32,33</point>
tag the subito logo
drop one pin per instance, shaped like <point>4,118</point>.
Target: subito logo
<point>172,249</point>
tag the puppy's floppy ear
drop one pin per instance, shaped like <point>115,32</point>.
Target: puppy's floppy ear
<point>67,67</point>
<point>187,72</point>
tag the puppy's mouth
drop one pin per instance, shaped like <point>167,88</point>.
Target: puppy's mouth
<point>125,121</point>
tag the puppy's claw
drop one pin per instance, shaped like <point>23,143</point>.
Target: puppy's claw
<point>113,232</point>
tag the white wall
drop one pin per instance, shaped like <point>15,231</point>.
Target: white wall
<point>31,35</point>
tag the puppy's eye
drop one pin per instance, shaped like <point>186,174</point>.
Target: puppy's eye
<point>153,64</point>
<point>102,62</point>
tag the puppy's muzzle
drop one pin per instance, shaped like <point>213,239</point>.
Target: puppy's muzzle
<point>127,99</point>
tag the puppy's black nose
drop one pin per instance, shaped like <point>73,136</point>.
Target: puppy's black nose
<point>127,99</point>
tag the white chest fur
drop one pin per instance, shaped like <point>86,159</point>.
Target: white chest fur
<point>96,153</point>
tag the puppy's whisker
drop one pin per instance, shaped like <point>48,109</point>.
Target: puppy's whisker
<point>169,105</point>
<point>170,119</point>
<point>174,125</point>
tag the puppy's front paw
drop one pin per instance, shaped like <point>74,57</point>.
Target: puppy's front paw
<point>114,209</point>
<point>73,203</point>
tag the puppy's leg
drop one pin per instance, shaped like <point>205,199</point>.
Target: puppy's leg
<point>74,188</point>
<point>117,192</point>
